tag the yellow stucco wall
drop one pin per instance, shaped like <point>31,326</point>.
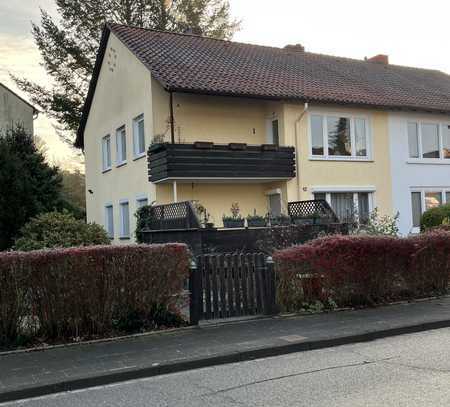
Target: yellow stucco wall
<point>120,96</point>
<point>320,173</point>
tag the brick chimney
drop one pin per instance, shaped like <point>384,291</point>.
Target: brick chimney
<point>294,47</point>
<point>379,59</point>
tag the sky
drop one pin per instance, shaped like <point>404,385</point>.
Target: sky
<point>411,32</point>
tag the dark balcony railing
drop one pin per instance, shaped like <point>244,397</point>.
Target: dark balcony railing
<point>204,160</point>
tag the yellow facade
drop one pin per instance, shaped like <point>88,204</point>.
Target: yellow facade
<point>128,90</point>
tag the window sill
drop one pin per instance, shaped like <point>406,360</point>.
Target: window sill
<point>106,170</point>
<point>430,161</point>
<point>121,164</point>
<point>351,159</point>
<point>138,157</point>
<point>124,238</point>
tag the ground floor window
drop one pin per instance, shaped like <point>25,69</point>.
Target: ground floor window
<point>348,206</point>
<point>427,198</point>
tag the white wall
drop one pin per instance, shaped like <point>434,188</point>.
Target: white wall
<point>123,92</point>
<point>14,111</point>
<point>408,175</point>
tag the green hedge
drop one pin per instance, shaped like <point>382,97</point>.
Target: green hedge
<point>435,217</point>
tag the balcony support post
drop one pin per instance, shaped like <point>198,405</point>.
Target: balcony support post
<point>175,192</point>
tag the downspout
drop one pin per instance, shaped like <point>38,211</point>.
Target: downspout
<point>297,154</point>
<point>172,122</point>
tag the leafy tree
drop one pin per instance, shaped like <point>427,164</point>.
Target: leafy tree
<point>73,192</point>
<point>28,185</point>
<point>56,229</point>
<point>69,45</point>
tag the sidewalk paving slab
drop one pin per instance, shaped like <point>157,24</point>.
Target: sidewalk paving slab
<point>36,373</point>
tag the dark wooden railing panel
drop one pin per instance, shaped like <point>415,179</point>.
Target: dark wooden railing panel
<point>178,161</point>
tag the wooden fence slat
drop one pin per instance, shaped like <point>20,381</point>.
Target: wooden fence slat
<point>244,276</point>
<point>214,289</point>
<point>230,294</point>
<point>251,282</point>
<point>258,283</point>
<point>237,283</point>
<point>223,288</point>
<point>207,274</point>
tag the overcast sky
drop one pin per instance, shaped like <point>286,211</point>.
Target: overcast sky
<point>411,32</point>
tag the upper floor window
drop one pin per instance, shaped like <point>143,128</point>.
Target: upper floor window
<point>121,146</point>
<point>428,141</point>
<point>141,201</point>
<point>106,153</point>
<point>339,137</point>
<point>273,134</point>
<point>138,136</point>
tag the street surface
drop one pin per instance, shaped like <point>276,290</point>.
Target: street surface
<point>409,370</point>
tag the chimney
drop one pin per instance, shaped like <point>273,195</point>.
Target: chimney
<point>379,59</point>
<point>294,47</point>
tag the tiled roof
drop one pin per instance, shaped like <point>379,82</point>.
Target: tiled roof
<point>189,63</point>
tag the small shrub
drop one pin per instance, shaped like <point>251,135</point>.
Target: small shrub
<point>363,270</point>
<point>377,225</point>
<point>64,294</point>
<point>56,230</point>
<point>435,217</point>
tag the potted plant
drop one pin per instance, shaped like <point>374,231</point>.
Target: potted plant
<point>235,220</point>
<point>256,221</point>
<point>280,220</point>
<point>203,215</point>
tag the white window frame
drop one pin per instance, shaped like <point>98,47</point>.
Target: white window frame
<point>123,234</point>
<point>119,140</point>
<point>106,221</point>
<point>106,140</point>
<point>136,121</point>
<point>370,190</point>
<point>421,160</point>
<point>351,117</point>
<point>141,198</point>
<point>423,190</point>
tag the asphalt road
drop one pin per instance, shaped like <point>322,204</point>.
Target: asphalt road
<point>410,370</point>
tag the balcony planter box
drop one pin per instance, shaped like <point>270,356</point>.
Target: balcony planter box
<point>233,223</point>
<point>204,145</point>
<point>281,221</point>
<point>256,223</point>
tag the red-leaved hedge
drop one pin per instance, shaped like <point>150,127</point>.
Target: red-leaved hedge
<point>363,270</point>
<point>86,291</point>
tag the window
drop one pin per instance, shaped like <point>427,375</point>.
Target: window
<point>106,153</point>
<point>272,128</point>
<point>109,221</point>
<point>138,136</point>
<point>429,141</point>
<point>339,137</point>
<point>416,200</point>
<point>141,201</point>
<point>124,220</point>
<point>121,146</point>
<point>422,200</point>
<point>348,206</point>
<point>446,142</point>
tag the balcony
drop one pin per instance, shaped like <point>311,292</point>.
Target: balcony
<point>209,162</point>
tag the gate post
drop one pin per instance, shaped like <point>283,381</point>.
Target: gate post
<point>271,287</point>
<point>195,293</point>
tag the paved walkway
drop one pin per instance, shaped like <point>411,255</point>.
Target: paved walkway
<point>67,368</point>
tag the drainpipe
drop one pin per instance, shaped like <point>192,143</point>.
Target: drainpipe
<point>172,122</point>
<point>297,155</point>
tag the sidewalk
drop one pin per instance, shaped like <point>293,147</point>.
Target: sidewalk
<point>31,374</point>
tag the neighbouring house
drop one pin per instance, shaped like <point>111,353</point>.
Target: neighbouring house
<point>15,111</point>
<point>172,117</point>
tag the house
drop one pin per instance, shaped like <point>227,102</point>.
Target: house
<point>228,122</point>
<point>15,111</point>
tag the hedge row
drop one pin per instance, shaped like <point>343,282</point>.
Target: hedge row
<point>363,270</point>
<point>87,291</point>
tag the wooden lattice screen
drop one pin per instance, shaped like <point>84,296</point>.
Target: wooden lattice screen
<point>179,215</point>
<point>317,211</point>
